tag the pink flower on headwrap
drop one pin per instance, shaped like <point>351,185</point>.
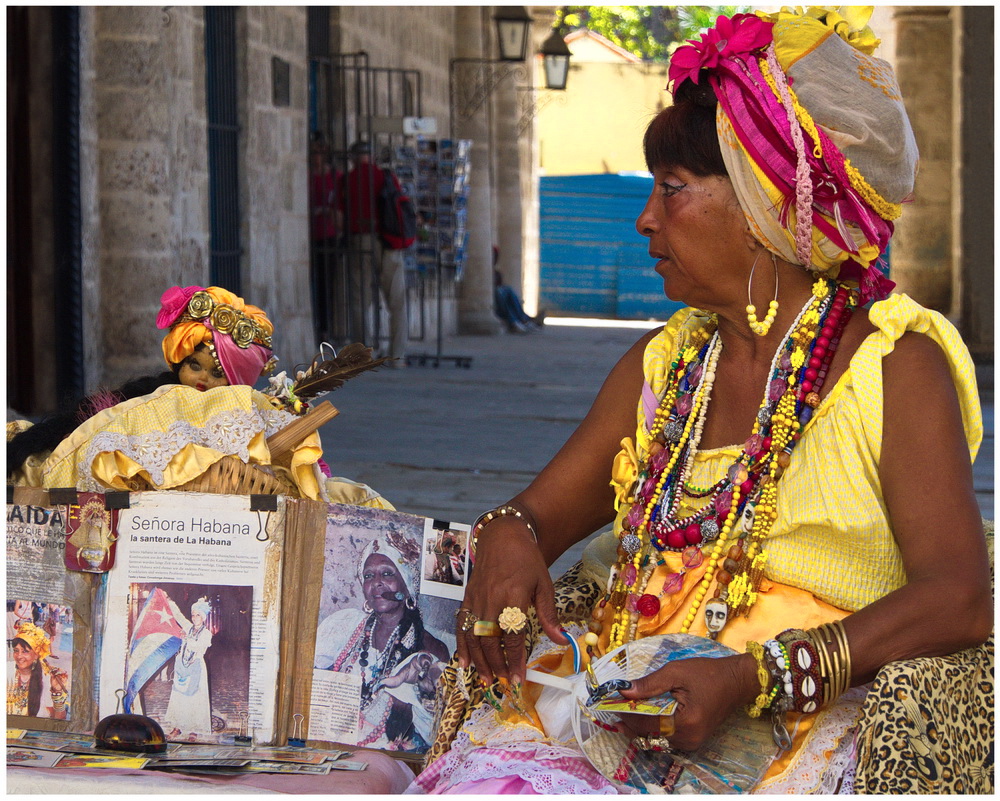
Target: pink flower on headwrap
<point>736,36</point>
<point>173,302</point>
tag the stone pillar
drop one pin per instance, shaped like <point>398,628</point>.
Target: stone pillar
<point>275,192</point>
<point>506,179</point>
<point>145,197</point>
<point>973,150</point>
<point>475,309</point>
<point>921,261</point>
<point>542,19</point>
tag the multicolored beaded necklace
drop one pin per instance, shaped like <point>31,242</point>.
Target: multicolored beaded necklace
<point>742,506</point>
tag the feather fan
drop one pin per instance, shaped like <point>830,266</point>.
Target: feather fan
<point>326,374</point>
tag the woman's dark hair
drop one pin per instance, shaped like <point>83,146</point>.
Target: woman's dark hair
<point>35,682</point>
<point>684,134</point>
<point>48,433</point>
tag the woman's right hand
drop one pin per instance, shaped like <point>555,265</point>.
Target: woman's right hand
<point>510,571</point>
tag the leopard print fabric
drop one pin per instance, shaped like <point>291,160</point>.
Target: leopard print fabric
<point>927,724</point>
<point>459,692</point>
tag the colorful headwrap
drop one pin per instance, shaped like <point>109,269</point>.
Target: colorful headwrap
<point>238,334</point>
<point>403,552</point>
<point>36,638</point>
<point>820,169</point>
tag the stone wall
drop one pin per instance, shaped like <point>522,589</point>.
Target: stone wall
<point>146,179</point>
<point>275,195</point>
<point>402,37</point>
<point>922,256</point>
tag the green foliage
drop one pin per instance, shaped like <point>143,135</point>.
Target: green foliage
<point>649,32</point>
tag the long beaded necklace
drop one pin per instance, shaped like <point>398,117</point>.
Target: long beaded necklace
<point>744,502</point>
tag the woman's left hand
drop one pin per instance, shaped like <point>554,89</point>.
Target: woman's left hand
<point>707,692</point>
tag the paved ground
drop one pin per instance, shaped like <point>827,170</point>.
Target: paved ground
<point>449,443</point>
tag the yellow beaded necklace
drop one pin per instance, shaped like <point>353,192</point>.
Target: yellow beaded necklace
<point>760,466</point>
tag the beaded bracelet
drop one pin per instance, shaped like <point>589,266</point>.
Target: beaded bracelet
<point>808,685</point>
<point>488,517</point>
<point>763,701</point>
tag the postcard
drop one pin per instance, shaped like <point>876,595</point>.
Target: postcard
<point>97,761</point>
<point>31,757</point>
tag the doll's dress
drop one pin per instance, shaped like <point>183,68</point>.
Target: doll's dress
<point>171,436</point>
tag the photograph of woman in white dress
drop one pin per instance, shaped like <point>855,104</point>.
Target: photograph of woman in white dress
<point>189,710</point>
<point>188,666</point>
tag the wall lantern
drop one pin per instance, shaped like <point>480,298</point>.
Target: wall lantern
<point>512,32</point>
<point>555,59</point>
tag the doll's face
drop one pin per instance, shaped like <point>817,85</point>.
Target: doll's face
<point>200,371</point>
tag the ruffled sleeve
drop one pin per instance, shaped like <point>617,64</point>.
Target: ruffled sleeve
<point>894,317</point>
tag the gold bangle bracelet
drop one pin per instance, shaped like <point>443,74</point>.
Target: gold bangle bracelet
<point>488,517</point>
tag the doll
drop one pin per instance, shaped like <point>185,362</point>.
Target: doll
<point>214,339</point>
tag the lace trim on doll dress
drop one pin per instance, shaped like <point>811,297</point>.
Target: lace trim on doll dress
<point>228,432</point>
<point>484,750</point>
<point>812,770</point>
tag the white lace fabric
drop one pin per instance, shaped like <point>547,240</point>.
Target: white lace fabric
<point>152,431</point>
<point>827,756</point>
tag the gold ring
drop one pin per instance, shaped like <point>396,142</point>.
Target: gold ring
<point>513,620</point>
<point>467,620</point>
<point>486,628</point>
<point>666,725</point>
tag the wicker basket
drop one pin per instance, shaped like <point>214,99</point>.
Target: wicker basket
<point>229,476</point>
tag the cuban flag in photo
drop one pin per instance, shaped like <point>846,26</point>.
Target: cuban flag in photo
<point>156,638</point>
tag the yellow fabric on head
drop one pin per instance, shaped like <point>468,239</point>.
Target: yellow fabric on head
<point>36,638</point>
<point>797,34</point>
<point>182,340</point>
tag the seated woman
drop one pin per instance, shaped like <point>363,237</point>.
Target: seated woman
<point>797,485</point>
<point>164,431</point>
<point>386,644</point>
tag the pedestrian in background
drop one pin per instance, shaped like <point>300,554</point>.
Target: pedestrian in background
<point>326,224</point>
<point>379,267</point>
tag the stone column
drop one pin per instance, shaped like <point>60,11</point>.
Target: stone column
<point>475,309</point>
<point>542,19</point>
<point>146,197</point>
<point>921,261</point>
<point>506,179</point>
<point>973,150</point>
<point>275,192</point>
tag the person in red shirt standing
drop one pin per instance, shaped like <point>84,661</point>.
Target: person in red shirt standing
<point>358,201</point>
<point>326,222</point>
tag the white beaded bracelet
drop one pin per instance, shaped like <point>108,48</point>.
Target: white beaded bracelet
<point>487,517</point>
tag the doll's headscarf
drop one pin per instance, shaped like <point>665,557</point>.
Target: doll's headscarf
<point>813,134</point>
<point>238,333</point>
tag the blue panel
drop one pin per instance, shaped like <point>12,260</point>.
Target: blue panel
<point>593,261</point>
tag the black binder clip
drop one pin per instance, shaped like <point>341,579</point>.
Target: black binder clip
<point>244,738</point>
<point>295,739</point>
<point>116,499</point>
